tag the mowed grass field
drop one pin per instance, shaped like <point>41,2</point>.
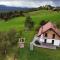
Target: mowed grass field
<point>37,53</point>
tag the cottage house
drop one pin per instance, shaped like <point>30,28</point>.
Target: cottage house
<point>48,36</point>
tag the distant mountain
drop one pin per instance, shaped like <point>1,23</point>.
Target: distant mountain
<point>9,8</point>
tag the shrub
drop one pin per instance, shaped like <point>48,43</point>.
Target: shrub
<point>29,24</point>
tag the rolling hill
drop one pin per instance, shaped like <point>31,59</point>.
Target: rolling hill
<point>37,16</point>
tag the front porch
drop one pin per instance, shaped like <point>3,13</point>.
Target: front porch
<point>44,43</point>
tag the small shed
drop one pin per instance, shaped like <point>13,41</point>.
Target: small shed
<point>21,42</point>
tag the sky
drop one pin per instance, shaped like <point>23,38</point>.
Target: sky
<point>29,3</point>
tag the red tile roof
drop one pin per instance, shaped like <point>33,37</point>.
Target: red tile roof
<point>48,26</point>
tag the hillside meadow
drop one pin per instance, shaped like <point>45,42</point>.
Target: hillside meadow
<point>37,16</point>
<point>37,53</point>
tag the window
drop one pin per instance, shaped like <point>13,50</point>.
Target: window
<point>45,34</point>
<point>53,36</point>
<point>45,40</point>
<point>52,41</point>
<point>22,40</point>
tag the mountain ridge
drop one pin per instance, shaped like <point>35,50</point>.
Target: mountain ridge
<point>4,7</point>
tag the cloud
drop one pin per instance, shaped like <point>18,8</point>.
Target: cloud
<point>19,3</point>
<point>29,3</point>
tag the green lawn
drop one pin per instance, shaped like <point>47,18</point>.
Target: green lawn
<point>38,53</point>
<point>17,23</point>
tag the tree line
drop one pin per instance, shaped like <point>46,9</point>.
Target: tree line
<point>11,14</point>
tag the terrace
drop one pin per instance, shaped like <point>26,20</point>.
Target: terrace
<point>44,44</point>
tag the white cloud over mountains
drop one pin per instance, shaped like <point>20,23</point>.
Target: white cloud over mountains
<point>29,3</point>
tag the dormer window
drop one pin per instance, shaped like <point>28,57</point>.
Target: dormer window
<point>22,40</point>
<point>53,36</point>
<point>45,34</point>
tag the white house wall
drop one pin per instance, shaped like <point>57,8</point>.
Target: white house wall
<point>41,40</point>
<point>57,42</point>
<point>49,40</point>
